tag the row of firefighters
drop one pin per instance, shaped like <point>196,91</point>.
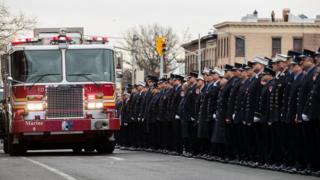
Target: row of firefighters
<point>264,113</point>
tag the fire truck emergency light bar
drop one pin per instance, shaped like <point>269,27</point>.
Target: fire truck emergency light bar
<point>24,41</point>
<point>60,39</point>
<point>97,39</point>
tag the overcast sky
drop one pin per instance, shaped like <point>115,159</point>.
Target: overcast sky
<point>112,17</point>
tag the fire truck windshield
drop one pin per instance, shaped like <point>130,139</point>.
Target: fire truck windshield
<point>27,66</point>
<point>95,64</point>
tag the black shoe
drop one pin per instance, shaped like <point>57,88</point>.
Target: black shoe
<point>309,169</point>
<point>131,148</point>
<point>302,172</point>
<point>317,173</point>
<point>283,168</point>
<point>235,161</point>
<point>174,153</point>
<point>165,151</point>
<point>253,164</point>
<point>149,150</point>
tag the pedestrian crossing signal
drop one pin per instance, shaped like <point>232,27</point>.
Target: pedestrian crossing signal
<point>161,44</point>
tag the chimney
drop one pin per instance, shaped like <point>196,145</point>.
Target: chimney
<point>273,19</point>
<point>285,14</point>
<point>317,20</point>
<point>255,13</point>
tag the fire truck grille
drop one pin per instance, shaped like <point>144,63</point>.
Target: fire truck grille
<point>65,102</point>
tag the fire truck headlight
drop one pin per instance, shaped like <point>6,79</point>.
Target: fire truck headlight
<point>99,105</point>
<point>91,105</point>
<point>95,105</point>
<point>35,106</point>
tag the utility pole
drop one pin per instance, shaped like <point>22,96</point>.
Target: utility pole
<point>161,66</point>
<point>199,54</point>
<point>133,52</point>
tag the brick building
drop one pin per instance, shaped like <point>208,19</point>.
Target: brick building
<point>241,41</point>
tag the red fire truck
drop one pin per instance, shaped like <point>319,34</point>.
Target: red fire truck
<point>59,93</point>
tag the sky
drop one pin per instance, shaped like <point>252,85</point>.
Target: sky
<point>113,18</point>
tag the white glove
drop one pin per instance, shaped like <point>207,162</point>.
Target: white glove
<point>138,119</point>
<point>214,116</point>
<point>305,117</point>
<point>269,123</point>
<point>249,124</point>
<point>256,119</point>
<point>126,124</point>
<point>142,119</point>
<point>177,117</point>
<point>132,118</point>
<point>233,116</point>
<point>193,119</point>
<point>243,122</point>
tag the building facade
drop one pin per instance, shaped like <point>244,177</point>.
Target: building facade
<point>207,50</point>
<point>242,41</point>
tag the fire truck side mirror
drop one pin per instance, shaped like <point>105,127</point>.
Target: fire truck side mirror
<point>13,80</point>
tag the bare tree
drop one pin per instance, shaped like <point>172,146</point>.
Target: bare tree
<point>144,48</point>
<point>11,25</point>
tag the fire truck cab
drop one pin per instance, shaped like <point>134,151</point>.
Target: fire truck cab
<point>59,93</point>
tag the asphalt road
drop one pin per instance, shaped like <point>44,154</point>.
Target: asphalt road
<point>122,165</point>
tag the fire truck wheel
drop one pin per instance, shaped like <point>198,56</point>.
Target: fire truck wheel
<point>89,149</point>
<point>5,145</point>
<point>105,147</point>
<point>15,149</point>
<point>77,150</point>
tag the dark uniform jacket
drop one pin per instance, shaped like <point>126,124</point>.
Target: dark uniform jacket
<point>232,98</point>
<point>219,132</point>
<point>275,105</point>
<point>313,103</point>
<point>163,105</point>
<point>239,107</point>
<point>188,106</point>
<point>138,102</point>
<point>132,103</point>
<point>252,99</point>
<point>154,108</point>
<point>305,91</point>
<point>125,116</point>
<point>289,77</point>
<point>223,99</point>
<point>263,112</point>
<point>208,103</point>
<point>168,110</point>
<point>293,98</point>
<point>213,92</point>
<point>198,99</point>
<point>175,100</point>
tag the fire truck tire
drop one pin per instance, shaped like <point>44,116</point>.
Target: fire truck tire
<point>5,145</point>
<point>89,149</point>
<point>105,147</point>
<point>77,150</point>
<point>15,149</point>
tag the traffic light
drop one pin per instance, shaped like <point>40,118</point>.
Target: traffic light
<point>161,45</point>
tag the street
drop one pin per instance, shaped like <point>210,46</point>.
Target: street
<point>57,165</point>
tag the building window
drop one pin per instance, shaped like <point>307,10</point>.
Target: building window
<point>276,46</point>
<point>297,44</point>
<point>240,47</point>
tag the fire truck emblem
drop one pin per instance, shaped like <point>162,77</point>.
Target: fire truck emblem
<point>66,125</point>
